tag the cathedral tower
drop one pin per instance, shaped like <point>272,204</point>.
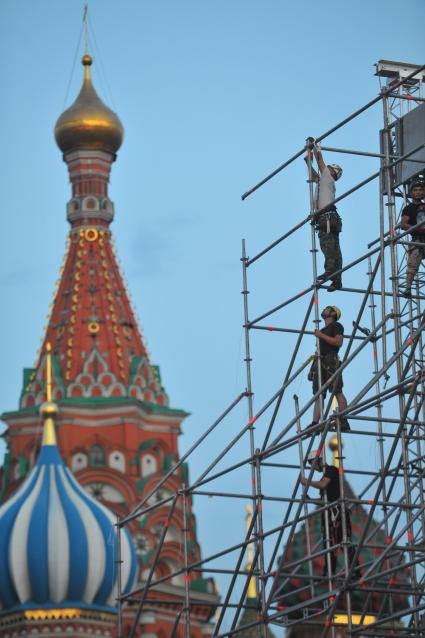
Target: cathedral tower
<point>115,428</point>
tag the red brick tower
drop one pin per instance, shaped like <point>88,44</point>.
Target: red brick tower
<point>115,428</point>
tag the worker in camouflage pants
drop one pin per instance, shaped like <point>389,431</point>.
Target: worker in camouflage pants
<point>329,245</point>
<point>327,222</point>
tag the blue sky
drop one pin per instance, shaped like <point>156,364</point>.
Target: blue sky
<point>213,95</point>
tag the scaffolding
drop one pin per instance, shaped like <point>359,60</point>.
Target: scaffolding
<point>271,447</point>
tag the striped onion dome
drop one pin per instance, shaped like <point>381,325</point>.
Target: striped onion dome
<point>58,546</point>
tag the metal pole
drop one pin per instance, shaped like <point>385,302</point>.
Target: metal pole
<point>329,132</point>
<point>137,511</point>
<point>313,209</point>
<point>380,438</point>
<point>397,330</point>
<point>299,153</point>
<point>118,563</point>
<point>186,562</point>
<point>307,522</point>
<point>255,474</point>
<point>346,540</point>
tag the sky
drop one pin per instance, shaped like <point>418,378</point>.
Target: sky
<point>213,96</point>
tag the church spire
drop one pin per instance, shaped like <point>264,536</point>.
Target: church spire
<point>97,346</point>
<point>49,410</point>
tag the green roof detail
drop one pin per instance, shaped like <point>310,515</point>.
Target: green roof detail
<point>185,473</point>
<point>7,466</point>
<point>133,368</point>
<point>146,444</point>
<point>23,466</point>
<point>156,373</point>
<point>168,462</point>
<point>28,375</point>
<point>201,584</point>
<point>140,485</point>
<point>150,407</point>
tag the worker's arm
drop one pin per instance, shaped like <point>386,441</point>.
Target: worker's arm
<point>319,158</point>
<point>314,174</point>
<point>321,485</point>
<point>404,222</point>
<point>332,341</point>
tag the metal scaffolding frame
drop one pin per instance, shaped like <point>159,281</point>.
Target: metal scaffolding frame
<point>389,416</point>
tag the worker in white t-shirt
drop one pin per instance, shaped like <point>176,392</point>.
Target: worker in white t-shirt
<point>328,223</point>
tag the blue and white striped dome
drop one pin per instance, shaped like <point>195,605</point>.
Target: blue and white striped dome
<point>58,545</point>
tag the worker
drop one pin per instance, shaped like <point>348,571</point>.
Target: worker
<point>329,484</point>
<point>328,223</point>
<point>330,340</point>
<point>413,214</point>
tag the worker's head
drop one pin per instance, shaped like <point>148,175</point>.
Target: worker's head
<point>315,460</point>
<point>336,171</point>
<point>416,190</point>
<point>331,313</point>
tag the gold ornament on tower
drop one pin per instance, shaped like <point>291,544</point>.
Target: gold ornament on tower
<point>88,123</point>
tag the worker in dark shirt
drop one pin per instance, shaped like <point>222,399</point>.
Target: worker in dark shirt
<point>329,485</point>
<point>330,341</point>
<point>413,214</point>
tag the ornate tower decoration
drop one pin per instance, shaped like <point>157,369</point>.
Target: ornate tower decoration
<point>115,428</point>
<point>97,344</point>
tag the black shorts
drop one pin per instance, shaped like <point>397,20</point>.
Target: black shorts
<point>329,365</point>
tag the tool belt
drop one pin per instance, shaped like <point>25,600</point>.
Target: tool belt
<point>329,362</point>
<point>334,516</point>
<point>329,221</point>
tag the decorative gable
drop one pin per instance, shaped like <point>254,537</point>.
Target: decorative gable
<point>145,382</point>
<point>96,380</point>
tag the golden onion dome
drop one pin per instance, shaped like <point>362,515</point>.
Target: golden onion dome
<point>88,123</point>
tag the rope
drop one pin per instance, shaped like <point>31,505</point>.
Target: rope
<point>73,68</point>
<point>102,74</point>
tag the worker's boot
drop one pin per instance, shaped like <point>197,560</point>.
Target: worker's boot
<point>407,292</point>
<point>336,284</point>
<point>345,426</point>
<point>343,423</point>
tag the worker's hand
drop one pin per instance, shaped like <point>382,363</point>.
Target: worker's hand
<point>303,480</point>
<point>318,333</point>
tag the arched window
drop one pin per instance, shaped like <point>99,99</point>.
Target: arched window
<point>97,455</point>
<point>117,461</point>
<point>148,464</point>
<point>78,461</point>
